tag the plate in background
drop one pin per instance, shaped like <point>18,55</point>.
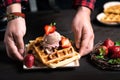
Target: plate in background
<point>100,16</point>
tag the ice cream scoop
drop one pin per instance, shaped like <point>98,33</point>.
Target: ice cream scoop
<point>52,40</point>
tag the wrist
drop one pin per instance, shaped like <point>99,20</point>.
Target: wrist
<point>16,7</point>
<point>85,10</point>
<point>14,15</point>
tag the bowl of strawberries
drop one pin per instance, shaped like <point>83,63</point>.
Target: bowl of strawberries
<point>106,54</point>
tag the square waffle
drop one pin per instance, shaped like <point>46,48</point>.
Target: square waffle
<point>112,14</point>
<point>113,9</point>
<point>58,58</point>
<point>111,18</point>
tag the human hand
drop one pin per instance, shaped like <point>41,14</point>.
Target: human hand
<point>83,32</point>
<point>13,39</point>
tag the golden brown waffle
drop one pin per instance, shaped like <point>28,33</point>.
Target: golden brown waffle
<point>58,58</point>
<point>111,18</point>
<point>113,9</point>
<point>112,14</point>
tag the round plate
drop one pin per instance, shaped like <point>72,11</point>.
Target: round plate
<point>111,3</point>
<point>101,15</point>
<point>102,63</point>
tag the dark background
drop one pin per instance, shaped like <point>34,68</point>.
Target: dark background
<point>43,5</point>
<point>12,70</point>
<point>67,4</point>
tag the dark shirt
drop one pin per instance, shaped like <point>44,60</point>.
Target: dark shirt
<point>5,3</point>
<point>87,3</point>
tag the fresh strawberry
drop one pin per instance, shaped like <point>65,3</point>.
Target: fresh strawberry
<point>115,51</point>
<point>108,43</point>
<point>103,50</point>
<point>29,60</point>
<point>65,43</point>
<point>116,55</point>
<point>49,29</point>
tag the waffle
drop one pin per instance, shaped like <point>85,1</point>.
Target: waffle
<point>113,9</point>
<point>58,58</point>
<point>112,14</point>
<point>111,18</point>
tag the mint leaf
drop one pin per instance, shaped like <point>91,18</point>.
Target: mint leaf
<point>100,57</point>
<point>114,61</point>
<point>117,43</point>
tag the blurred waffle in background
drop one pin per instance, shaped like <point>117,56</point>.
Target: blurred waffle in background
<point>112,13</point>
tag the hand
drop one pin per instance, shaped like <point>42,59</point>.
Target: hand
<point>83,32</point>
<point>13,39</point>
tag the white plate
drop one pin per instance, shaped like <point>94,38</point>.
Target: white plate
<point>41,66</point>
<point>106,5</point>
<point>111,3</point>
<point>101,15</point>
<point>73,64</point>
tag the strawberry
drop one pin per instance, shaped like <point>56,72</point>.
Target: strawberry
<point>49,29</point>
<point>115,51</point>
<point>108,43</point>
<point>29,60</point>
<point>116,55</point>
<point>65,43</point>
<point>103,50</point>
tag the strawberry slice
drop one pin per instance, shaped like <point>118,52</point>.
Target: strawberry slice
<point>49,29</point>
<point>65,42</point>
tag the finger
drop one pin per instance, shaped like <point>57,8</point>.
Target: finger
<point>77,36</point>
<point>12,49</point>
<point>84,46</point>
<point>77,41</point>
<point>88,47</point>
<point>19,43</point>
<point>91,44</point>
<point>11,54</point>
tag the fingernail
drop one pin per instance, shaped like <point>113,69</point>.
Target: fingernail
<point>21,51</point>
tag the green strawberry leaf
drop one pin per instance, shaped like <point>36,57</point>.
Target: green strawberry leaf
<point>114,61</point>
<point>102,51</point>
<point>100,57</point>
<point>117,43</point>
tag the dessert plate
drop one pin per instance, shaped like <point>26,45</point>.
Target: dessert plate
<point>101,15</point>
<point>52,50</point>
<point>41,66</point>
